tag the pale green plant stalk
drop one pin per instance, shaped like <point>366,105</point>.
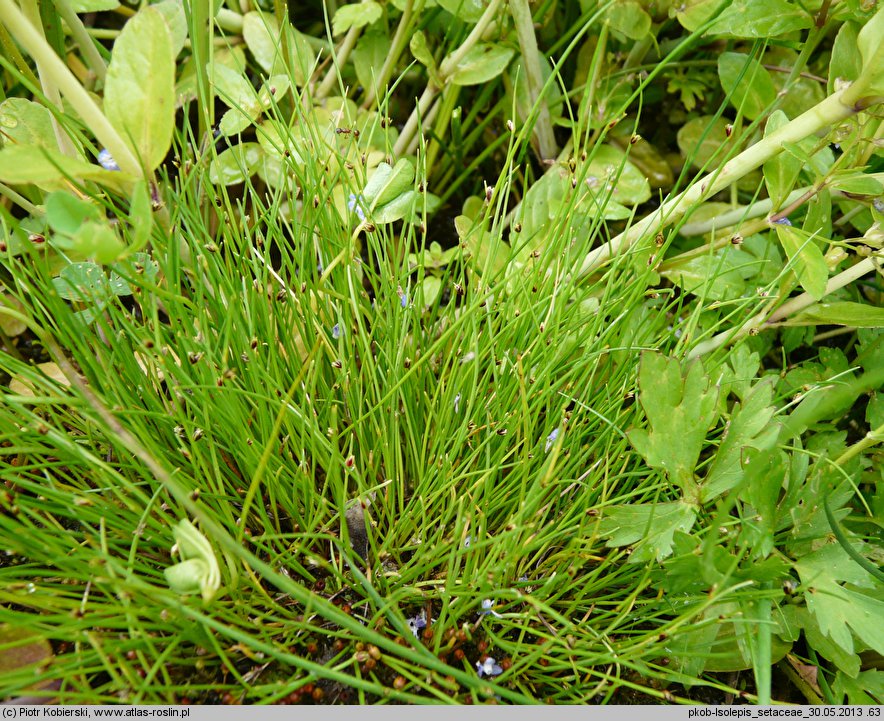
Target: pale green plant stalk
<point>834,109</point>
<point>338,59</point>
<point>31,11</point>
<point>871,439</point>
<point>543,129</point>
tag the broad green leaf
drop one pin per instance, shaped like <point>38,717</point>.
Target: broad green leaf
<point>140,215</point>
<point>431,286</point>
<point>840,609</point>
<point>186,88</point>
<point>749,427</point>
<point>754,19</point>
<point>66,213</point>
<point>233,88</point>
<point>303,57</point>
<point>649,527</point>
<point>857,183</point>
<point>745,364</point>
<point>818,162</point>
<point>9,324</point>
<point>356,15</point>
<point>235,164</point>
<point>261,34</point>
<point>782,170</point>
<point>703,138</point>
<point>867,689</point>
<point>628,18</point>
<point>96,240</point>
<point>846,63</point>
<point>764,473</point>
<point>484,251</point>
<point>649,161</point>
<point>858,315</point>
<point>19,648</point>
<point>716,276</point>
<point>248,105</point>
<point>802,92</point>
<point>693,14</point>
<point>467,10</point>
<point>234,121</point>
<point>280,141</point>
<point>50,170</point>
<point>388,183</point>
<point>198,571</point>
<point>82,283</point>
<point>139,97</point>
<point>93,239</point>
<point>798,617</point>
<point>24,122</point>
<point>176,19</point>
<point>805,258</point>
<point>748,84</point>
<point>397,209</point>
<point>137,265</point>
<point>874,411</point>
<point>681,407</point>
<point>721,646</point>
<point>539,208</point>
<point>421,50</point>
<point>433,258</point>
<point>818,220</point>
<point>594,205</point>
<point>610,167</point>
<point>368,57</point>
<point>871,48</point>
<point>483,62</point>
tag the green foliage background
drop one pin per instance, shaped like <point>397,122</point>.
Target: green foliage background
<point>441,350</point>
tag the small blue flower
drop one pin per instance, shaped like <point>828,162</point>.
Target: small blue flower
<point>416,623</point>
<point>467,541</point>
<point>488,668</point>
<point>355,205</point>
<point>783,221</point>
<point>106,160</point>
<point>403,297</point>
<point>486,608</point>
<point>336,331</point>
<point>551,439</point>
<point>879,204</point>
